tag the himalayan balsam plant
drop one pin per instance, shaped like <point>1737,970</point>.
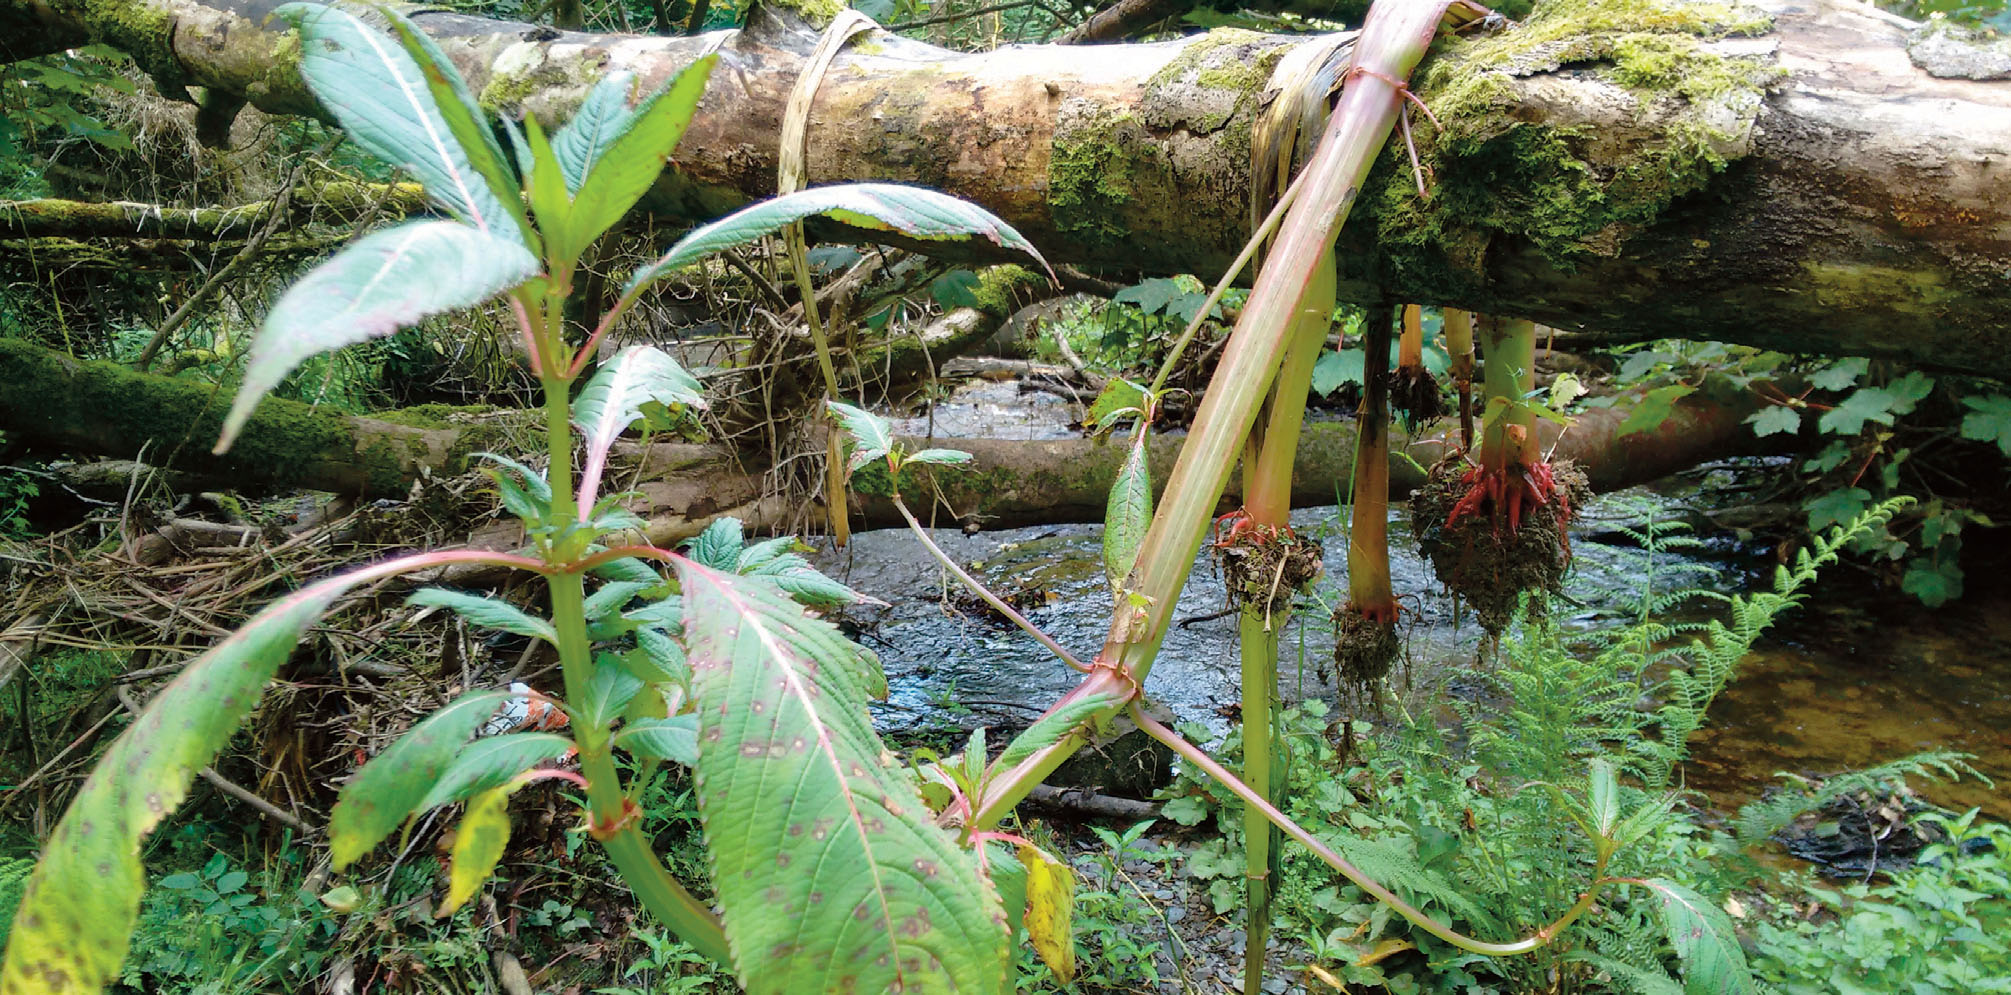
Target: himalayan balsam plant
<point>832,868</point>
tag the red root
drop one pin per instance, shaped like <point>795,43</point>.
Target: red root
<point>1508,491</point>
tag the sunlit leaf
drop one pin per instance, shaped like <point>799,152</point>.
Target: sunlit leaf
<point>389,789</point>
<point>833,857</point>
<point>1119,398</point>
<point>381,99</point>
<point>1050,909</point>
<point>377,285</point>
<point>1775,419</point>
<point>613,399</point>
<point>1841,374</point>
<point>1988,420</point>
<point>600,119</point>
<point>632,163</point>
<point>465,119</point>
<point>1050,728</point>
<point>939,457</point>
<point>1873,404</point>
<point>1128,512</point>
<point>1703,937</point>
<point>718,546</point>
<point>911,211</point>
<point>479,839</point>
<point>872,437</point>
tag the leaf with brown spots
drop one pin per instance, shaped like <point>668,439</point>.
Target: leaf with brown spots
<point>831,875</point>
<point>391,787</point>
<point>70,931</point>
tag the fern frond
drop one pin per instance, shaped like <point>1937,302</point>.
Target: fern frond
<point>1760,820</point>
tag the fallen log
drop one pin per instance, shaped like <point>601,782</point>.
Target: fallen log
<point>52,402</point>
<point>1783,175</point>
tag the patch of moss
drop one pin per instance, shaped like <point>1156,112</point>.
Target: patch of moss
<point>139,28</point>
<point>1555,186</point>
<point>818,12</point>
<point>1089,176</point>
<point>996,292</point>
<point>1211,80</point>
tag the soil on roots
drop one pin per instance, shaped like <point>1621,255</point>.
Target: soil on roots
<point>1480,557</point>
<point>1414,395</point>
<point>1365,649</point>
<point>1265,566</point>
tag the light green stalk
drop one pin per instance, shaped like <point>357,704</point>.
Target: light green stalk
<point>1508,436</point>
<point>1459,342</point>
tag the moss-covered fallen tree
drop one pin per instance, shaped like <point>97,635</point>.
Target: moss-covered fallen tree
<point>54,403</point>
<point>1781,174</point>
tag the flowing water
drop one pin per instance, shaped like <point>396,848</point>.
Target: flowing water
<point>1834,687</point>
<point>1838,684</point>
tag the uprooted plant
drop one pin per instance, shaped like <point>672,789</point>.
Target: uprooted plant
<point>832,869</point>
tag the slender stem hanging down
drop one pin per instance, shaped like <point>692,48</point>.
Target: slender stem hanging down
<point>975,587</point>
<point>1459,342</point>
<point>1196,756</point>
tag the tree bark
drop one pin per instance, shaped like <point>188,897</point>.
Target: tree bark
<point>1804,187</point>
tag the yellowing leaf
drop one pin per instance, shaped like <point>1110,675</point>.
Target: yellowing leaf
<point>478,845</point>
<point>1050,907</point>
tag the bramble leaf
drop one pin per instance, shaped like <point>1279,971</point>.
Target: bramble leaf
<point>1775,419</point>
<point>1988,420</point>
<point>1865,404</point>
<point>832,855</point>
<point>1653,409</point>
<point>375,286</point>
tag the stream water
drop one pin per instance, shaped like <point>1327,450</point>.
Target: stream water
<point>1844,682</point>
<point>1836,686</point>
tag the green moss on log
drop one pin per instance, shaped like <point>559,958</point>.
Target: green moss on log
<point>1568,191</point>
<point>140,28</point>
<point>105,408</point>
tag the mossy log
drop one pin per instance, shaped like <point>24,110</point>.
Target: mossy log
<point>54,217</point>
<point>51,401</point>
<point>1782,175</point>
<point>54,403</point>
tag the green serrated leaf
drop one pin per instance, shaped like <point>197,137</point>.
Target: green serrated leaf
<point>487,612</point>
<point>607,693</point>
<point>1775,419</point>
<point>1335,369</point>
<point>71,929</point>
<point>465,119</point>
<point>834,857</point>
<point>911,211</point>
<point>375,286</point>
<point>1602,796</point>
<point>382,100</point>
<point>612,597</point>
<point>633,162</point>
<point>1841,374</point>
<point>872,436</point>
<point>546,185</point>
<point>674,739</point>
<point>1151,296</point>
<point>1713,963</point>
<point>1874,404</point>
<point>613,399</point>
<point>1050,728</point>
<point>1836,507</point>
<point>1988,420</point>
<point>718,546</point>
<point>600,119</point>
<point>1935,580</point>
<point>1653,409</point>
<point>657,658</point>
<point>389,788</point>
<point>1118,399</point>
<point>954,289</point>
<point>490,762</point>
<point>1127,513</point>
